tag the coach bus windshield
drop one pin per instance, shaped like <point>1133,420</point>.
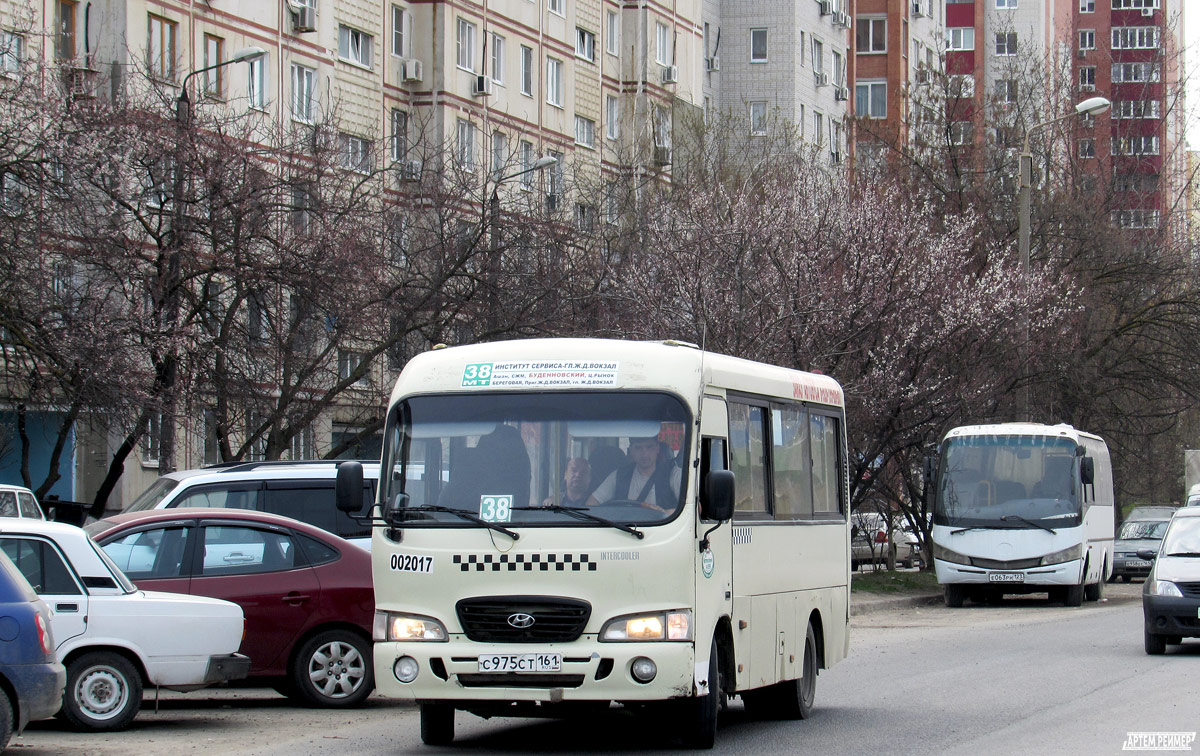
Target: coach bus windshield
<point>577,459</point>
<point>1008,482</point>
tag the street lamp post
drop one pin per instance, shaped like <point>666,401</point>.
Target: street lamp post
<point>1090,106</point>
<point>169,277</point>
<point>494,239</point>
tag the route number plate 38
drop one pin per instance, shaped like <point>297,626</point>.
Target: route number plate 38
<point>1006,577</point>
<point>520,662</point>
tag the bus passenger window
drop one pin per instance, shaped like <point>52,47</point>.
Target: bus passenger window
<point>747,438</point>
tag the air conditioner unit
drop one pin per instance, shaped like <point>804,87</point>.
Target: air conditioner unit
<point>822,79</point>
<point>662,155</point>
<point>841,93</point>
<point>409,170</point>
<point>670,74</point>
<point>410,70</point>
<point>1087,87</point>
<point>1081,53</point>
<point>304,15</point>
<point>1148,12</point>
<point>481,86</point>
<point>80,82</point>
<point>923,76</point>
<point>842,19</point>
<point>826,7</point>
<point>714,63</point>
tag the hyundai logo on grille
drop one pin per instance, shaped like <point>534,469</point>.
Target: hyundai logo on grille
<point>521,620</point>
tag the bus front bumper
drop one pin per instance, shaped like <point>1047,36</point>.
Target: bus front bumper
<point>1014,581</point>
<point>590,671</point>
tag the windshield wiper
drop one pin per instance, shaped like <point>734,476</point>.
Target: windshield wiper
<point>460,513</point>
<point>1185,554</point>
<point>582,514</point>
<point>976,527</point>
<point>1047,528</point>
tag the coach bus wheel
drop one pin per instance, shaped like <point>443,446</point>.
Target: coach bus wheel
<point>1073,595</point>
<point>954,596</point>
<point>437,724</point>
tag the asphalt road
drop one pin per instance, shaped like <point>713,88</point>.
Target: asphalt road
<point>1022,678</point>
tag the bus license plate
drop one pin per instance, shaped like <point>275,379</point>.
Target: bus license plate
<point>1006,577</point>
<point>520,662</point>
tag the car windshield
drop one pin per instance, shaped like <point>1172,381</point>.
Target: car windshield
<point>1183,537</point>
<point>537,459</point>
<point>150,498</point>
<point>1143,529</point>
<point>1008,481</point>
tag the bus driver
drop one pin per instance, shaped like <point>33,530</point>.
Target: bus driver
<point>651,480</point>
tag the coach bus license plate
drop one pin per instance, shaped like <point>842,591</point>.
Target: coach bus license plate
<point>520,662</point>
<point>1006,577</point>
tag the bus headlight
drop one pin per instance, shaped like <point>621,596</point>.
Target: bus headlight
<point>1162,588</point>
<point>1066,555</point>
<point>946,555</point>
<point>393,626</point>
<point>659,626</point>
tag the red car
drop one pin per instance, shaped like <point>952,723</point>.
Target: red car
<point>306,593</point>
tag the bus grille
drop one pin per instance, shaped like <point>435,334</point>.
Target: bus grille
<point>555,620</point>
<point>1016,564</point>
<point>1189,590</point>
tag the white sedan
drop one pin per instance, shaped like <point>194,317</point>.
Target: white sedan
<point>114,639</point>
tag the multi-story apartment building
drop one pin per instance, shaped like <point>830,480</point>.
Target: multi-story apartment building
<point>478,89</point>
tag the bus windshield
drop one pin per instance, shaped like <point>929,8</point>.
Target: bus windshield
<point>577,459</point>
<point>1008,482</point>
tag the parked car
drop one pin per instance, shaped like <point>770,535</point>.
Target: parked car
<point>31,677</point>
<point>869,540</point>
<point>1153,511</point>
<point>1171,593</point>
<point>19,501</point>
<point>1135,534</point>
<point>1193,497</point>
<point>306,593</point>
<point>300,490</point>
<point>114,639</point>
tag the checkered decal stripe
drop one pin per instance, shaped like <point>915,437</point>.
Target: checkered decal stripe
<point>525,562</point>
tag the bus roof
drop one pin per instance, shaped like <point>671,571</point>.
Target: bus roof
<point>1023,429</point>
<point>582,364</point>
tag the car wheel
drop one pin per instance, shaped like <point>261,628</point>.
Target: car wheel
<point>698,725</point>
<point>954,596</point>
<point>6,720</point>
<point>1155,644</point>
<point>437,724</point>
<point>334,670</point>
<point>104,692</point>
<point>1073,595</point>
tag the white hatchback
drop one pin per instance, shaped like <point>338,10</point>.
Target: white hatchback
<point>19,501</point>
<point>114,639</point>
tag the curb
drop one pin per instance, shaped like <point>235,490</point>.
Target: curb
<point>892,603</point>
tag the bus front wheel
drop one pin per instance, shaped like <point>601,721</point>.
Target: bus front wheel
<point>1073,595</point>
<point>699,722</point>
<point>954,595</point>
<point>437,724</point>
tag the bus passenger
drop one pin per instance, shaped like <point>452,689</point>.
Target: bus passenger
<point>577,483</point>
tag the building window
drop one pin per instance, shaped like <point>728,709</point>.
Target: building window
<point>1127,109</point>
<point>64,40</point>
<point>497,58</point>
<point>401,20</point>
<point>585,218</point>
<point>1135,145</point>
<point>1135,38</point>
<point>160,48</point>
<point>612,117</point>
<point>355,153</point>
<point>1087,39</point>
<point>303,444</point>
<point>612,32</point>
<point>819,128</point>
<point>12,52</point>
<point>399,135</point>
<point>465,40</point>
<point>214,54</point>
<point>257,92</point>
<point>662,44</point>
<point>1002,4</point>
<point>355,46</point>
<point>585,131</point>
<point>1087,6</point>
<point>962,85</point>
<point>818,56</point>
<point>349,362</point>
<point>1006,43</point>
<point>151,439</point>
<point>961,132</point>
<point>527,71</point>
<point>304,93</point>
<point>554,82</point>
<point>555,175</point>
<point>499,152</point>
<point>1134,4</point>
<point>839,70</point>
<point>557,6</point>
<point>870,99</point>
<point>1087,148</point>
<point>758,118</point>
<point>527,159</point>
<point>758,45</point>
<point>870,35</point>
<point>1006,91</point>
<point>1135,72</point>
<point>466,145</point>
<point>1087,78</point>
<point>960,38</point>
<point>585,44</point>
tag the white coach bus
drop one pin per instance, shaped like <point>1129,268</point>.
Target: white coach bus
<point>1022,508</point>
<point>569,523</point>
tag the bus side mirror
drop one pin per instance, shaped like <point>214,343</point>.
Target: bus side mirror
<point>717,502</point>
<point>349,487</point>
<point>1087,471</point>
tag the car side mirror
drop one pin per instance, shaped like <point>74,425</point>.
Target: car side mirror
<point>1147,554</point>
<point>717,503</point>
<point>1087,470</point>
<point>348,489</point>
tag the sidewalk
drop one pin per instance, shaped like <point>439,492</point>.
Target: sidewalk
<point>864,602</point>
